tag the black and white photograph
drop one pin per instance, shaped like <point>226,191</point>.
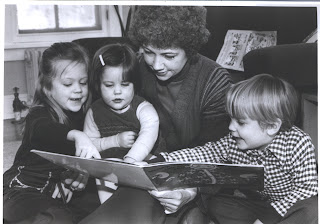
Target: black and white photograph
<point>160,112</point>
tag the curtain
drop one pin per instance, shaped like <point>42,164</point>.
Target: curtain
<point>32,59</point>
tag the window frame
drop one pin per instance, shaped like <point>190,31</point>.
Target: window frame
<point>14,40</point>
<point>59,29</point>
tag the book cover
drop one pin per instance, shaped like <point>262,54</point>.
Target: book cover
<point>237,43</point>
<point>164,175</point>
<point>312,37</point>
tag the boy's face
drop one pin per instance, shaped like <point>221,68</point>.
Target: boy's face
<point>248,134</point>
<point>115,92</point>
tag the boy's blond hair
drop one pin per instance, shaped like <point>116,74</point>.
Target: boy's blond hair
<point>264,98</point>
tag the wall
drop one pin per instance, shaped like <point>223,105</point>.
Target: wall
<point>14,77</point>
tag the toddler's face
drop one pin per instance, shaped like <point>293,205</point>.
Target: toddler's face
<point>248,134</point>
<point>115,92</point>
<point>69,87</point>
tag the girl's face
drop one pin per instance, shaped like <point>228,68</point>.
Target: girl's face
<point>69,87</point>
<point>116,93</point>
<point>165,63</point>
<point>248,134</point>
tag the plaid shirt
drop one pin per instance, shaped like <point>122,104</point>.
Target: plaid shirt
<point>290,172</point>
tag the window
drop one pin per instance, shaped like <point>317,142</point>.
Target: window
<point>34,25</point>
<point>57,18</point>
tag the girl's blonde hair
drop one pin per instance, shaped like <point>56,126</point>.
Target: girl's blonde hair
<point>264,98</point>
<point>48,72</point>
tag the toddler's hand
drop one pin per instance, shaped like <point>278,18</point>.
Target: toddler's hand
<point>129,160</point>
<point>126,139</point>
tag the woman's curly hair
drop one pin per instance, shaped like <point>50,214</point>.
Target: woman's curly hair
<point>170,26</point>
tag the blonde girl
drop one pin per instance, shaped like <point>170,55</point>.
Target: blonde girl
<point>33,189</point>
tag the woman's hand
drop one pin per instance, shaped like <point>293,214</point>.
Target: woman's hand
<point>74,180</point>
<point>84,146</point>
<point>126,139</point>
<point>173,200</point>
<point>67,193</point>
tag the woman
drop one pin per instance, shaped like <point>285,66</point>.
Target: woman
<point>187,90</point>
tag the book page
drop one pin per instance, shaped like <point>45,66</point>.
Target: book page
<point>181,175</point>
<point>312,37</point>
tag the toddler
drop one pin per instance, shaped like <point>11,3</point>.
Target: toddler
<point>120,123</point>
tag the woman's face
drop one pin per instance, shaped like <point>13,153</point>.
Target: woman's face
<point>165,63</point>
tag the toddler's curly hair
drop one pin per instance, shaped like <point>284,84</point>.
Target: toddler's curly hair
<point>169,27</point>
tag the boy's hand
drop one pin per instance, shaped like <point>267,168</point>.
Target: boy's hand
<point>84,146</point>
<point>126,139</point>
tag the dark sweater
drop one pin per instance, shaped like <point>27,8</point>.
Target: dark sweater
<point>41,133</point>
<point>198,115</point>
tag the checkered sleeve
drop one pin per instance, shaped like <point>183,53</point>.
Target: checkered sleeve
<point>305,181</point>
<point>210,152</point>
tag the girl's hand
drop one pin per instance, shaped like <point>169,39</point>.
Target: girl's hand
<point>173,200</point>
<point>84,146</point>
<point>126,139</point>
<point>86,149</point>
<point>67,193</point>
<point>74,180</point>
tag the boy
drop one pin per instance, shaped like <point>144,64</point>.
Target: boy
<point>262,110</point>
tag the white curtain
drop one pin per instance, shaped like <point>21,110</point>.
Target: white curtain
<point>32,59</point>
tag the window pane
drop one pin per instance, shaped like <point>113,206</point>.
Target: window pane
<point>35,17</point>
<point>73,16</point>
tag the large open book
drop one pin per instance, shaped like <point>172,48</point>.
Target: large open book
<point>164,175</point>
